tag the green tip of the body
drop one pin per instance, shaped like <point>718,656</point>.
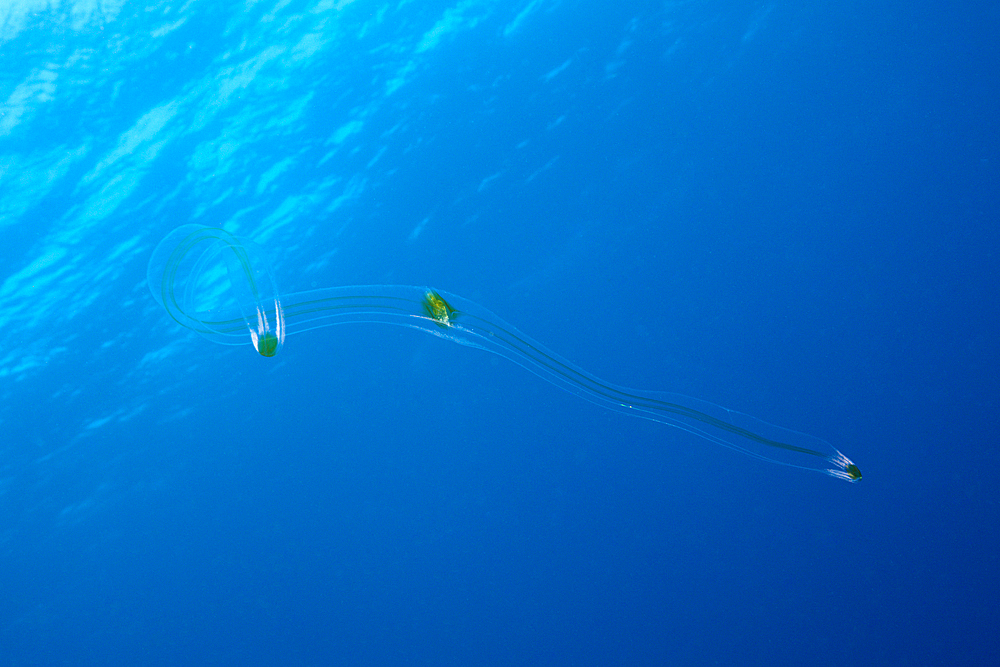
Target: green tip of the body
<point>267,345</point>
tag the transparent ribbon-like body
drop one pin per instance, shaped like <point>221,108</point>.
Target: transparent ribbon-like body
<point>221,286</point>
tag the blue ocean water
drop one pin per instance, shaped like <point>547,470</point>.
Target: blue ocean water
<point>786,210</point>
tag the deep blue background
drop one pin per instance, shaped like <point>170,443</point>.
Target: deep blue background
<point>788,211</point>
